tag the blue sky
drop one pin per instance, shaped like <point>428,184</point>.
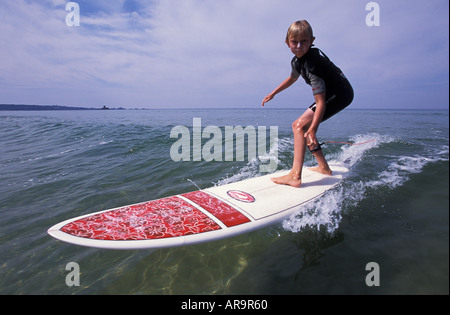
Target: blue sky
<point>218,54</point>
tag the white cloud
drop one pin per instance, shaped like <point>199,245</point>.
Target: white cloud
<point>208,53</point>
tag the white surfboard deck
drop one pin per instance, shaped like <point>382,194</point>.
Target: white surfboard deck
<point>199,216</point>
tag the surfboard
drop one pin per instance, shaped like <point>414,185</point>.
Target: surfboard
<point>198,216</point>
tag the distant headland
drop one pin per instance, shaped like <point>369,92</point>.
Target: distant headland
<point>14,107</point>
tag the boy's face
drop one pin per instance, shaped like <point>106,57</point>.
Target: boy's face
<point>300,45</point>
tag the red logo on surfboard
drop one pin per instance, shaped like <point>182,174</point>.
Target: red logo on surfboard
<point>241,196</point>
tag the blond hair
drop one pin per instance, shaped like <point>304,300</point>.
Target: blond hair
<point>299,28</point>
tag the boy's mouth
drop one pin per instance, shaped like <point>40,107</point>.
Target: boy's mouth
<point>298,51</point>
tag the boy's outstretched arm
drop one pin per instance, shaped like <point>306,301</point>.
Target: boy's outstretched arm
<point>283,86</point>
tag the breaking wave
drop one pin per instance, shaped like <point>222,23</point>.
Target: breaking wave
<point>392,171</point>
<point>384,169</point>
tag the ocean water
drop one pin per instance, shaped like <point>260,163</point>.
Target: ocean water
<point>392,208</point>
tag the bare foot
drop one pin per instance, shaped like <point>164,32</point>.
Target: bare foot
<point>321,171</point>
<point>291,179</point>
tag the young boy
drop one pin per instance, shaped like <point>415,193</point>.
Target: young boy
<point>332,93</point>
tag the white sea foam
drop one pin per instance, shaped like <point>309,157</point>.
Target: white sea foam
<point>326,212</point>
<point>106,142</point>
<point>252,169</point>
<point>351,154</point>
<point>248,171</point>
<point>47,156</point>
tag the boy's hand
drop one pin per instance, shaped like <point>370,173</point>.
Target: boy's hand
<point>267,99</point>
<point>311,140</point>
<point>286,83</point>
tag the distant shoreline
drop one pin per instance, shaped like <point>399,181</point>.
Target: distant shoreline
<point>13,107</point>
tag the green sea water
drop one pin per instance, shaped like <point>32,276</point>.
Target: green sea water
<point>391,209</point>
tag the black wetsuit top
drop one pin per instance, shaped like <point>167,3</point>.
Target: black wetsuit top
<point>324,77</point>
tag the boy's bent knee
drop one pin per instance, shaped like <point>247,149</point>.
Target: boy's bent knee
<point>298,127</point>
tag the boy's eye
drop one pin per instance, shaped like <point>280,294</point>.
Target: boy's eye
<point>302,42</point>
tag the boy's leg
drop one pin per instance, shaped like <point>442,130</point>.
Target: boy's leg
<point>334,105</point>
<point>323,167</point>
<point>299,127</point>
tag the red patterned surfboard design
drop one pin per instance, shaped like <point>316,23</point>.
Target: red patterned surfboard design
<point>196,217</point>
<point>222,211</point>
<point>158,219</point>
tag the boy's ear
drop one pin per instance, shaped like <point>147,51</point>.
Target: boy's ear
<point>287,43</point>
